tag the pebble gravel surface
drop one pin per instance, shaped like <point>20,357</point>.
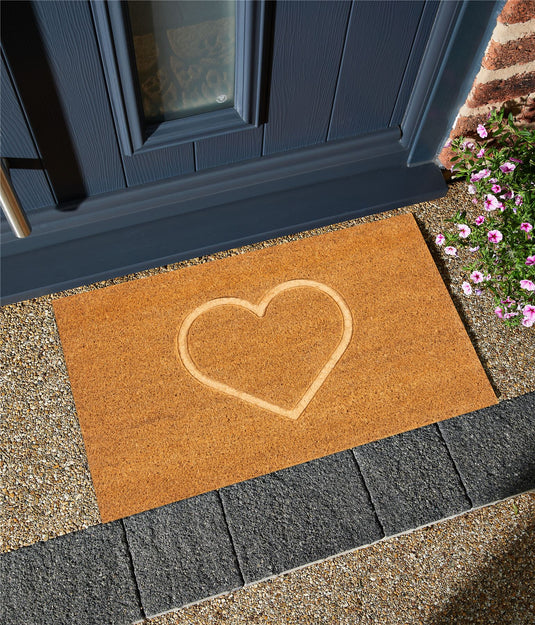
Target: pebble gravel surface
<point>46,488</point>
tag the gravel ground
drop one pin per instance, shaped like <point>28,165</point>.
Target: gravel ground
<point>476,568</point>
<point>46,488</point>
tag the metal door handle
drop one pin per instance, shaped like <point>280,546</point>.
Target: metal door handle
<point>11,206</point>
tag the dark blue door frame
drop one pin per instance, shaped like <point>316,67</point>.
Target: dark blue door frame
<point>122,231</point>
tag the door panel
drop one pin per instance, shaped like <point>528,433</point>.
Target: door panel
<point>377,49</point>
<point>16,145</point>
<point>308,42</point>
<point>226,149</point>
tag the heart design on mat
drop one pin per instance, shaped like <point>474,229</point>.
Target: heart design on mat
<point>259,310</point>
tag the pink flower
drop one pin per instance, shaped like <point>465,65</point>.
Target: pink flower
<point>526,226</point>
<point>510,314</point>
<point>482,131</point>
<point>496,188</point>
<point>481,153</point>
<point>530,260</point>
<point>507,167</point>
<point>518,200</point>
<point>529,312</point>
<point>440,239</point>
<point>468,144</point>
<point>464,231</point>
<point>527,323</point>
<point>477,276</point>
<point>472,189</point>
<point>491,203</point>
<point>474,249</point>
<point>494,236</point>
<point>450,250</point>
<point>484,173</point>
<point>517,160</point>
<point>467,288</point>
<point>528,285</point>
<point>507,195</point>
<point>448,143</point>
<point>499,312</point>
<point>479,220</point>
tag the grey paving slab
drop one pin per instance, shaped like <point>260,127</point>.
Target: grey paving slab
<point>299,515</point>
<point>411,479</point>
<point>83,578</point>
<point>494,449</point>
<point>182,553</point>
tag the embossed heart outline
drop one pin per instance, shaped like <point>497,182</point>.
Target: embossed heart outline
<point>259,310</point>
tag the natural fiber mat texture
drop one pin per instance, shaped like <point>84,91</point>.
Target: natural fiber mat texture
<point>188,381</point>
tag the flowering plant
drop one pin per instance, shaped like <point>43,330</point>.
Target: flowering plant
<point>499,232</point>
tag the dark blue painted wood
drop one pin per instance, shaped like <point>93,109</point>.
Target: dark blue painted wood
<point>452,58</point>
<point>308,41</point>
<point>415,60</point>
<point>27,175</point>
<point>68,40</point>
<point>226,149</point>
<point>159,164</point>
<point>15,139</point>
<point>378,44</point>
<point>32,189</point>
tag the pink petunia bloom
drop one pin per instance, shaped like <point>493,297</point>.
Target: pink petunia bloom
<point>470,145</point>
<point>484,173</point>
<point>440,239</point>
<point>450,250</point>
<point>493,180</point>
<point>527,323</point>
<point>528,285</point>
<point>526,226</point>
<point>494,236</point>
<point>467,288</point>
<point>499,312</point>
<point>477,276</point>
<point>482,131</point>
<point>481,153</point>
<point>479,220</point>
<point>507,195</point>
<point>529,312</point>
<point>510,314</point>
<point>495,188</point>
<point>517,160</point>
<point>501,206</point>
<point>472,189</point>
<point>518,200</point>
<point>464,231</point>
<point>530,260</point>
<point>507,167</point>
<point>491,202</point>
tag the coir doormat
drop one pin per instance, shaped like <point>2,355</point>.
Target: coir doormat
<point>189,381</point>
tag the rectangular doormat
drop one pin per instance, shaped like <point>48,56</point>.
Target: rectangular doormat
<point>192,380</point>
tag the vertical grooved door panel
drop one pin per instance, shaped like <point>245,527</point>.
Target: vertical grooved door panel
<point>230,148</point>
<point>159,164</point>
<point>378,45</point>
<point>16,143</point>
<point>308,42</point>
<point>69,41</point>
<point>15,139</point>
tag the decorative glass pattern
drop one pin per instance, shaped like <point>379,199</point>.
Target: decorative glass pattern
<point>185,56</point>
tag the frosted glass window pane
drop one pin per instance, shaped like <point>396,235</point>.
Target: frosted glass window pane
<point>185,56</point>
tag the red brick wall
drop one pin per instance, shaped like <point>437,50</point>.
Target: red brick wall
<point>507,75</point>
